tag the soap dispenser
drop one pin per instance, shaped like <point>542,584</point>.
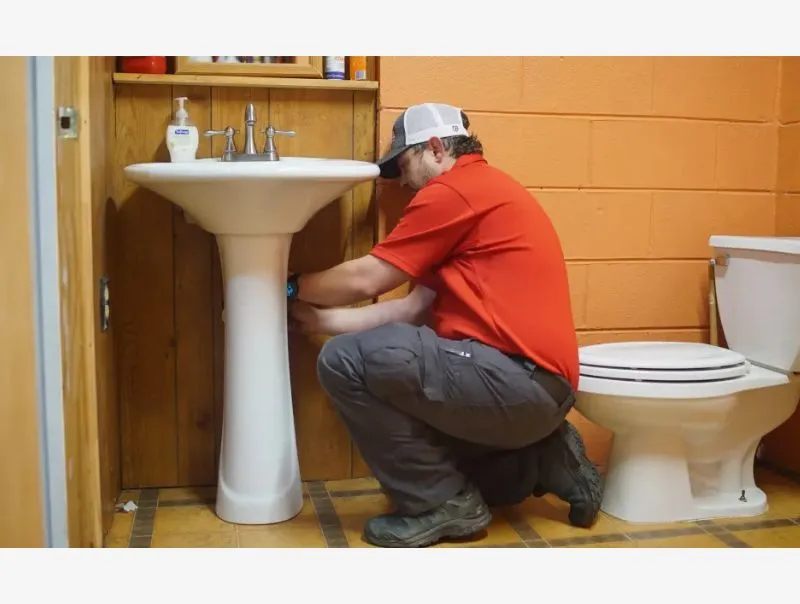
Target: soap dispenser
<point>182,136</point>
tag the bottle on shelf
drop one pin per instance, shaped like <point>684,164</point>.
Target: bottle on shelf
<point>357,68</point>
<point>334,68</point>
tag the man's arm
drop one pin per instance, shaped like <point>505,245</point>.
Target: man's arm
<point>333,321</point>
<point>432,225</point>
<point>350,282</point>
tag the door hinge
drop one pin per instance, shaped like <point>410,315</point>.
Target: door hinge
<point>68,122</point>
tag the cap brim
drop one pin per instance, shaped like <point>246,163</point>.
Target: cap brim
<point>388,163</point>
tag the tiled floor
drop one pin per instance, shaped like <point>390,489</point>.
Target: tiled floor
<point>334,514</point>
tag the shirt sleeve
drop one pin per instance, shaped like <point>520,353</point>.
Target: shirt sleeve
<point>431,227</point>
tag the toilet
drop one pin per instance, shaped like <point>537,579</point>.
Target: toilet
<point>688,418</point>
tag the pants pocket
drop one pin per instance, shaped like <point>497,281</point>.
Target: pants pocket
<point>431,367</point>
<point>392,361</point>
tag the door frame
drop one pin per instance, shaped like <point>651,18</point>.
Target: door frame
<point>47,300</point>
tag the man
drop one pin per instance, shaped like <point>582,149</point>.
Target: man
<point>455,395</point>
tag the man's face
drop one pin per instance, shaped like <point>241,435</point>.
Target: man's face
<point>418,167</point>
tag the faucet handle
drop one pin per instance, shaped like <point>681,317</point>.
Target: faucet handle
<point>230,145</point>
<point>270,132</point>
<point>269,146</point>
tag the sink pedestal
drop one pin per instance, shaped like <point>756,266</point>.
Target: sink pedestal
<point>259,472</point>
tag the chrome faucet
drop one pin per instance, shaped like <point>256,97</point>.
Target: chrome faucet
<point>250,152</point>
<point>249,126</point>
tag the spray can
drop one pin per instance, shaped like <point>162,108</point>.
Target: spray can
<point>358,68</point>
<point>334,68</point>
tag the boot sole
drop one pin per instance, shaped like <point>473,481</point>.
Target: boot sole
<point>457,528</point>
<point>591,482</point>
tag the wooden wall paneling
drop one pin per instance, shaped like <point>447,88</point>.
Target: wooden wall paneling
<point>194,328</point>
<point>218,327</point>
<point>101,121</point>
<point>364,216</point>
<point>144,294</point>
<point>323,121</point>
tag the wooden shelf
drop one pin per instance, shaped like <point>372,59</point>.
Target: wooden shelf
<point>242,81</point>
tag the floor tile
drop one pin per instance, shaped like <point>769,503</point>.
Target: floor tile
<point>693,541</point>
<point>352,484</point>
<point>786,536</point>
<point>189,519</point>
<point>626,543</point>
<point>334,514</point>
<point>195,540</point>
<point>655,528</point>
<point>301,531</point>
<point>128,495</point>
<point>187,495</point>
<point>120,532</point>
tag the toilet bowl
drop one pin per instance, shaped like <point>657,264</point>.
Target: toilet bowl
<point>688,418</point>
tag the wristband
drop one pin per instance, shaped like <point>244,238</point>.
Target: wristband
<point>292,286</point>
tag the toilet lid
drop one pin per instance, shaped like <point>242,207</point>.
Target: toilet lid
<point>662,362</point>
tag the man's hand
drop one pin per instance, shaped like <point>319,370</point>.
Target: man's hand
<point>305,318</point>
<point>308,319</point>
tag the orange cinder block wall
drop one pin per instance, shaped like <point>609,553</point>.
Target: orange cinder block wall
<point>637,160</point>
<point>787,220</point>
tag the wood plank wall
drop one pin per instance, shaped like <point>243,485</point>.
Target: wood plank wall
<point>166,287</point>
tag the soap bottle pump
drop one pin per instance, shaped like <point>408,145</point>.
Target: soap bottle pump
<point>182,136</point>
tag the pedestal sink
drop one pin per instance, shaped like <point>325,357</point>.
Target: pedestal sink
<point>253,209</point>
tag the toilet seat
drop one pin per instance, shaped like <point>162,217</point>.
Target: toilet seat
<point>662,362</point>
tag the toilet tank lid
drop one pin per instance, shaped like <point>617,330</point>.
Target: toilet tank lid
<point>781,245</point>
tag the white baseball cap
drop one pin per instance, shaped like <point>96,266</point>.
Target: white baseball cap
<point>418,124</point>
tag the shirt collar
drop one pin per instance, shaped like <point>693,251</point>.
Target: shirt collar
<point>469,159</point>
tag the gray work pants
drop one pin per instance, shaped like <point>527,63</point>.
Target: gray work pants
<point>428,414</point>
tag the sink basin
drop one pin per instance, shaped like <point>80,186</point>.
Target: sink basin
<point>252,198</point>
<point>253,209</point>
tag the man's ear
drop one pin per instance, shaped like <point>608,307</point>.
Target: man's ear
<point>437,148</point>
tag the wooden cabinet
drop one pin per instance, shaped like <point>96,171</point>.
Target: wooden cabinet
<point>288,67</point>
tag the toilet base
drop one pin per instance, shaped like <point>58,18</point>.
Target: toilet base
<point>650,480</point>
<point>721,505</point>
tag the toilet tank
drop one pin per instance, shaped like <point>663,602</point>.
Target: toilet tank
<point>758,296</point>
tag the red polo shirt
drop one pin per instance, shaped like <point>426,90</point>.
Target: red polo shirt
<point>481,241</point>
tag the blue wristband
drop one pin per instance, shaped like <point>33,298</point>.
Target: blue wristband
<point>292,287</point>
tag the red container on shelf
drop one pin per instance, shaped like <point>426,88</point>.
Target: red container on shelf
<point>156,65</point>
